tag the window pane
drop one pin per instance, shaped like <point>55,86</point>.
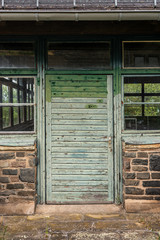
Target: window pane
<point>15,95</point>
<point>152,110</point>
<point>130,99</point>
<point>21,114</point>
<point>6,111</point>
<point>152,88</point>
<point>19,91</point>
<point>141,54</point>
<point>132,88</point>
<point>133,110</point>
<point>152,99</point>
<point>138,113</point>
<point>75,56</point>
<point>5,94</point>
<point>17,55</point>
<point>15,116</point>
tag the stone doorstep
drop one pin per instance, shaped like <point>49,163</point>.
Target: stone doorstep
<point>19,208</point>
<point>81,209</point>
<point>142,206</point>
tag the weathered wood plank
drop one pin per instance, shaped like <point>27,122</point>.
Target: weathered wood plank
<point>78,172</point>
<point>80,196</point>
<point>79,89</point>
<point>77,77</point>
<point>79,183</point>
<point>79,116</point>
<point>78,128</point>
<point>80,177</point>
<point>82,111</point>
<point>78,83</point>
<point>79,100</point>
<point>79,155</point>
<point>78,106</point>
<point>80,167</point>
<point>65,188</point>
<point>79,94</point>
<point>83,139</point>
<point>80,161</point>
<point>79,150</point>
<point>80,122</point>
<point>80,133</point>
<point>80,144</point>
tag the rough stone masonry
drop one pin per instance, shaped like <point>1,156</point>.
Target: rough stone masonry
<point>141,177</point>
<point>17,180</point>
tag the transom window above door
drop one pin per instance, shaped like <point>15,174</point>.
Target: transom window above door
<point>79,56</point>
<point>142,103</point>
<point>141,54</point>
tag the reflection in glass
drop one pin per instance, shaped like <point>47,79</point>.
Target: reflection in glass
<point>6,112</point>
<point>5,94</point>
<point>17,55</point>
<point>15,115</point>
<point>141,54</point>
<point>79,56</point>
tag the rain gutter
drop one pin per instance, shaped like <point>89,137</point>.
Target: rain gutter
<point>72,15</point>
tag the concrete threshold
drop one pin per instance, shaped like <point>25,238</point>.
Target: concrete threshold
<point>81,209</point>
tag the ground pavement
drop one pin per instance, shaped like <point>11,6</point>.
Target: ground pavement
<point>79,226</point>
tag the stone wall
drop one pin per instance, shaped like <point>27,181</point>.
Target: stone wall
<point>17,180</point>
<point>141,177</point>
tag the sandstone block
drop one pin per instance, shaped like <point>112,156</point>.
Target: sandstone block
<point>10,171</point>
<point>15,186</point>
<point>155,163</point>
<point>139,161</point>
<point>134,191</point>
<point>27,175</point>
<point>5,156</point>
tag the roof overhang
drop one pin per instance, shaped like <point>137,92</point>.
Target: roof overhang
<point>11,15</point>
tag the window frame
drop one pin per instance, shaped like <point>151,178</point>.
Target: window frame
<point>3,132</point>
<point>123,105</point>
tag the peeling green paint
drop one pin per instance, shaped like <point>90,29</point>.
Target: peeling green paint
<point>90,106</point>
<point>100,101</point>
<point>48,89</point>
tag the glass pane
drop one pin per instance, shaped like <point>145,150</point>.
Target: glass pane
<point>21,114</point>
<point>142,116</point>
<point>21,97</point>
<point>15,115</point>
<point>152,88</point>
<point>6,112</point>
<point>152,110</point>
<point>15,95</point>
<point>132,88</point>
<point>133,110</point>
<point>79,56</point>
<point>130,99</point>
<point>152,99</point>
<point>17,55</point>
<point>141,54</point>
<point>5,94</point>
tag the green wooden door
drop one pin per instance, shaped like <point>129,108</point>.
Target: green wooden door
<point>79,130</point>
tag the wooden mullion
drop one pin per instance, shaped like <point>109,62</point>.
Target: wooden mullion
<point>11,101</point>
<point>18,95</point>
<point>143,99</point>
